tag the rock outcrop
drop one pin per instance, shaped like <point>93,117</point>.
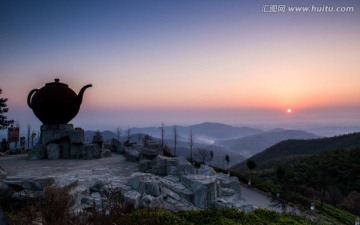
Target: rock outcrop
<point>62,141</point>
<point>174,184</point>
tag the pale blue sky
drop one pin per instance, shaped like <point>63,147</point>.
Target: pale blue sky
<point>184,61</point>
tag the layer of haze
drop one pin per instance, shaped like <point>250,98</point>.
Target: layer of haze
<point>184,61</point>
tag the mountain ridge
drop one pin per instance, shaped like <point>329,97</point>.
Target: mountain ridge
<point>289,151</point>
<point>253,144</point>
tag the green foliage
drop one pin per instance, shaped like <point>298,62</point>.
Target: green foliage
<point>250,164</point>
<point>153,217</point>
<point>214,216</point>
<point>339,168</point>
<point>291,151</point>
<point>4,122</point>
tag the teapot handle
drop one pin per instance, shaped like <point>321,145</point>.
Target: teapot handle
<point>29,97</point>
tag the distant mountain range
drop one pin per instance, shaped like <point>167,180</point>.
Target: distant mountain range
<point>183,148</point>
<point>206,133</point>
<point>291,151</point>
<point>252,144</point>
<point>237,142</point>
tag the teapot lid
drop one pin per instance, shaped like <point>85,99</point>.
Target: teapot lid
<point>57,82</point>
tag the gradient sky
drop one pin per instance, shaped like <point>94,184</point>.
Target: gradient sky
<point>184,61</point>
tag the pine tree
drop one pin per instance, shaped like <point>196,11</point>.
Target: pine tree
<point>227,159</point>
<point>4,122</point>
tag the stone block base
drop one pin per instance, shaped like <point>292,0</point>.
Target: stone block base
<point>62,141</point>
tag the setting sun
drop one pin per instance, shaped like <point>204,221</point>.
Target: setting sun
<point>289,110</point>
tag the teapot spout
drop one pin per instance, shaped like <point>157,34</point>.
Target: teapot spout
<point>81,94</point>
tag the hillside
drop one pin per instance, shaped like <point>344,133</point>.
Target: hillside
<point>290,151</point>
<point>250,145</point>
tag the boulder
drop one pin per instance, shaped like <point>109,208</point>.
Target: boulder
<point>149,153</point>
<point>37,152</point>
<point>145,184</point>
<point>30,184</point>
<point>132,155</point>
<point>163,166</point>
<point>146,201</point>
<point>65,149</point>
<point>97,186</point>
<point>37,184</point>
<point>24,188</point>
<point>90,201</point>
<point>53,151</point>
<point>132,197</point>
<point>77,136</point>
<point>76,151</point>
<point>174,202</point>
<point>145,165</point>
<point>229,182</point>
<point>184,167</point>
<point>116,146</point>
<point>204,189</point>
<point>234,201</point>
<point>99,140</point>
<point>90,151</point>
<point>206,170</point>
<point>55,132</point>
<point>105,153</point>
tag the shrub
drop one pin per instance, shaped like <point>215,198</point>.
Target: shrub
<point>56,204</point>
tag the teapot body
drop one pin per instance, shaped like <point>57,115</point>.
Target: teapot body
<point>55,103</point>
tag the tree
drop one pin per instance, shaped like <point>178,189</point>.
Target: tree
<point>202,155</point>
<point>128,136</point>
<point>286,193</point>
<point>211,156</point>
<point>4,122</point>
<point>28,135</point>
<point>176,136</point>
<point>251,166</point>
<point>227,159</point>
<point>162,135</point>
<point>191,144</point>
<point>280,172</point>
<point>352,203</point>
<point>118,133</point>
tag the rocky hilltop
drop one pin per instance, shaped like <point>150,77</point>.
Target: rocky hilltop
<point>145,177</point>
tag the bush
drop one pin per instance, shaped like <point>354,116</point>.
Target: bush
<point>154,217</point>
<point>56,204</point>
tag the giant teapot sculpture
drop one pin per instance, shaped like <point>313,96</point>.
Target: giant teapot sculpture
<point>55,103</point>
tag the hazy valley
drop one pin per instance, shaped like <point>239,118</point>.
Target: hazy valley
<point>239,143</point>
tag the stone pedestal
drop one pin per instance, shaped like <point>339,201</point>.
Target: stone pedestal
<point>56,132</point>
<point>62,141</point>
